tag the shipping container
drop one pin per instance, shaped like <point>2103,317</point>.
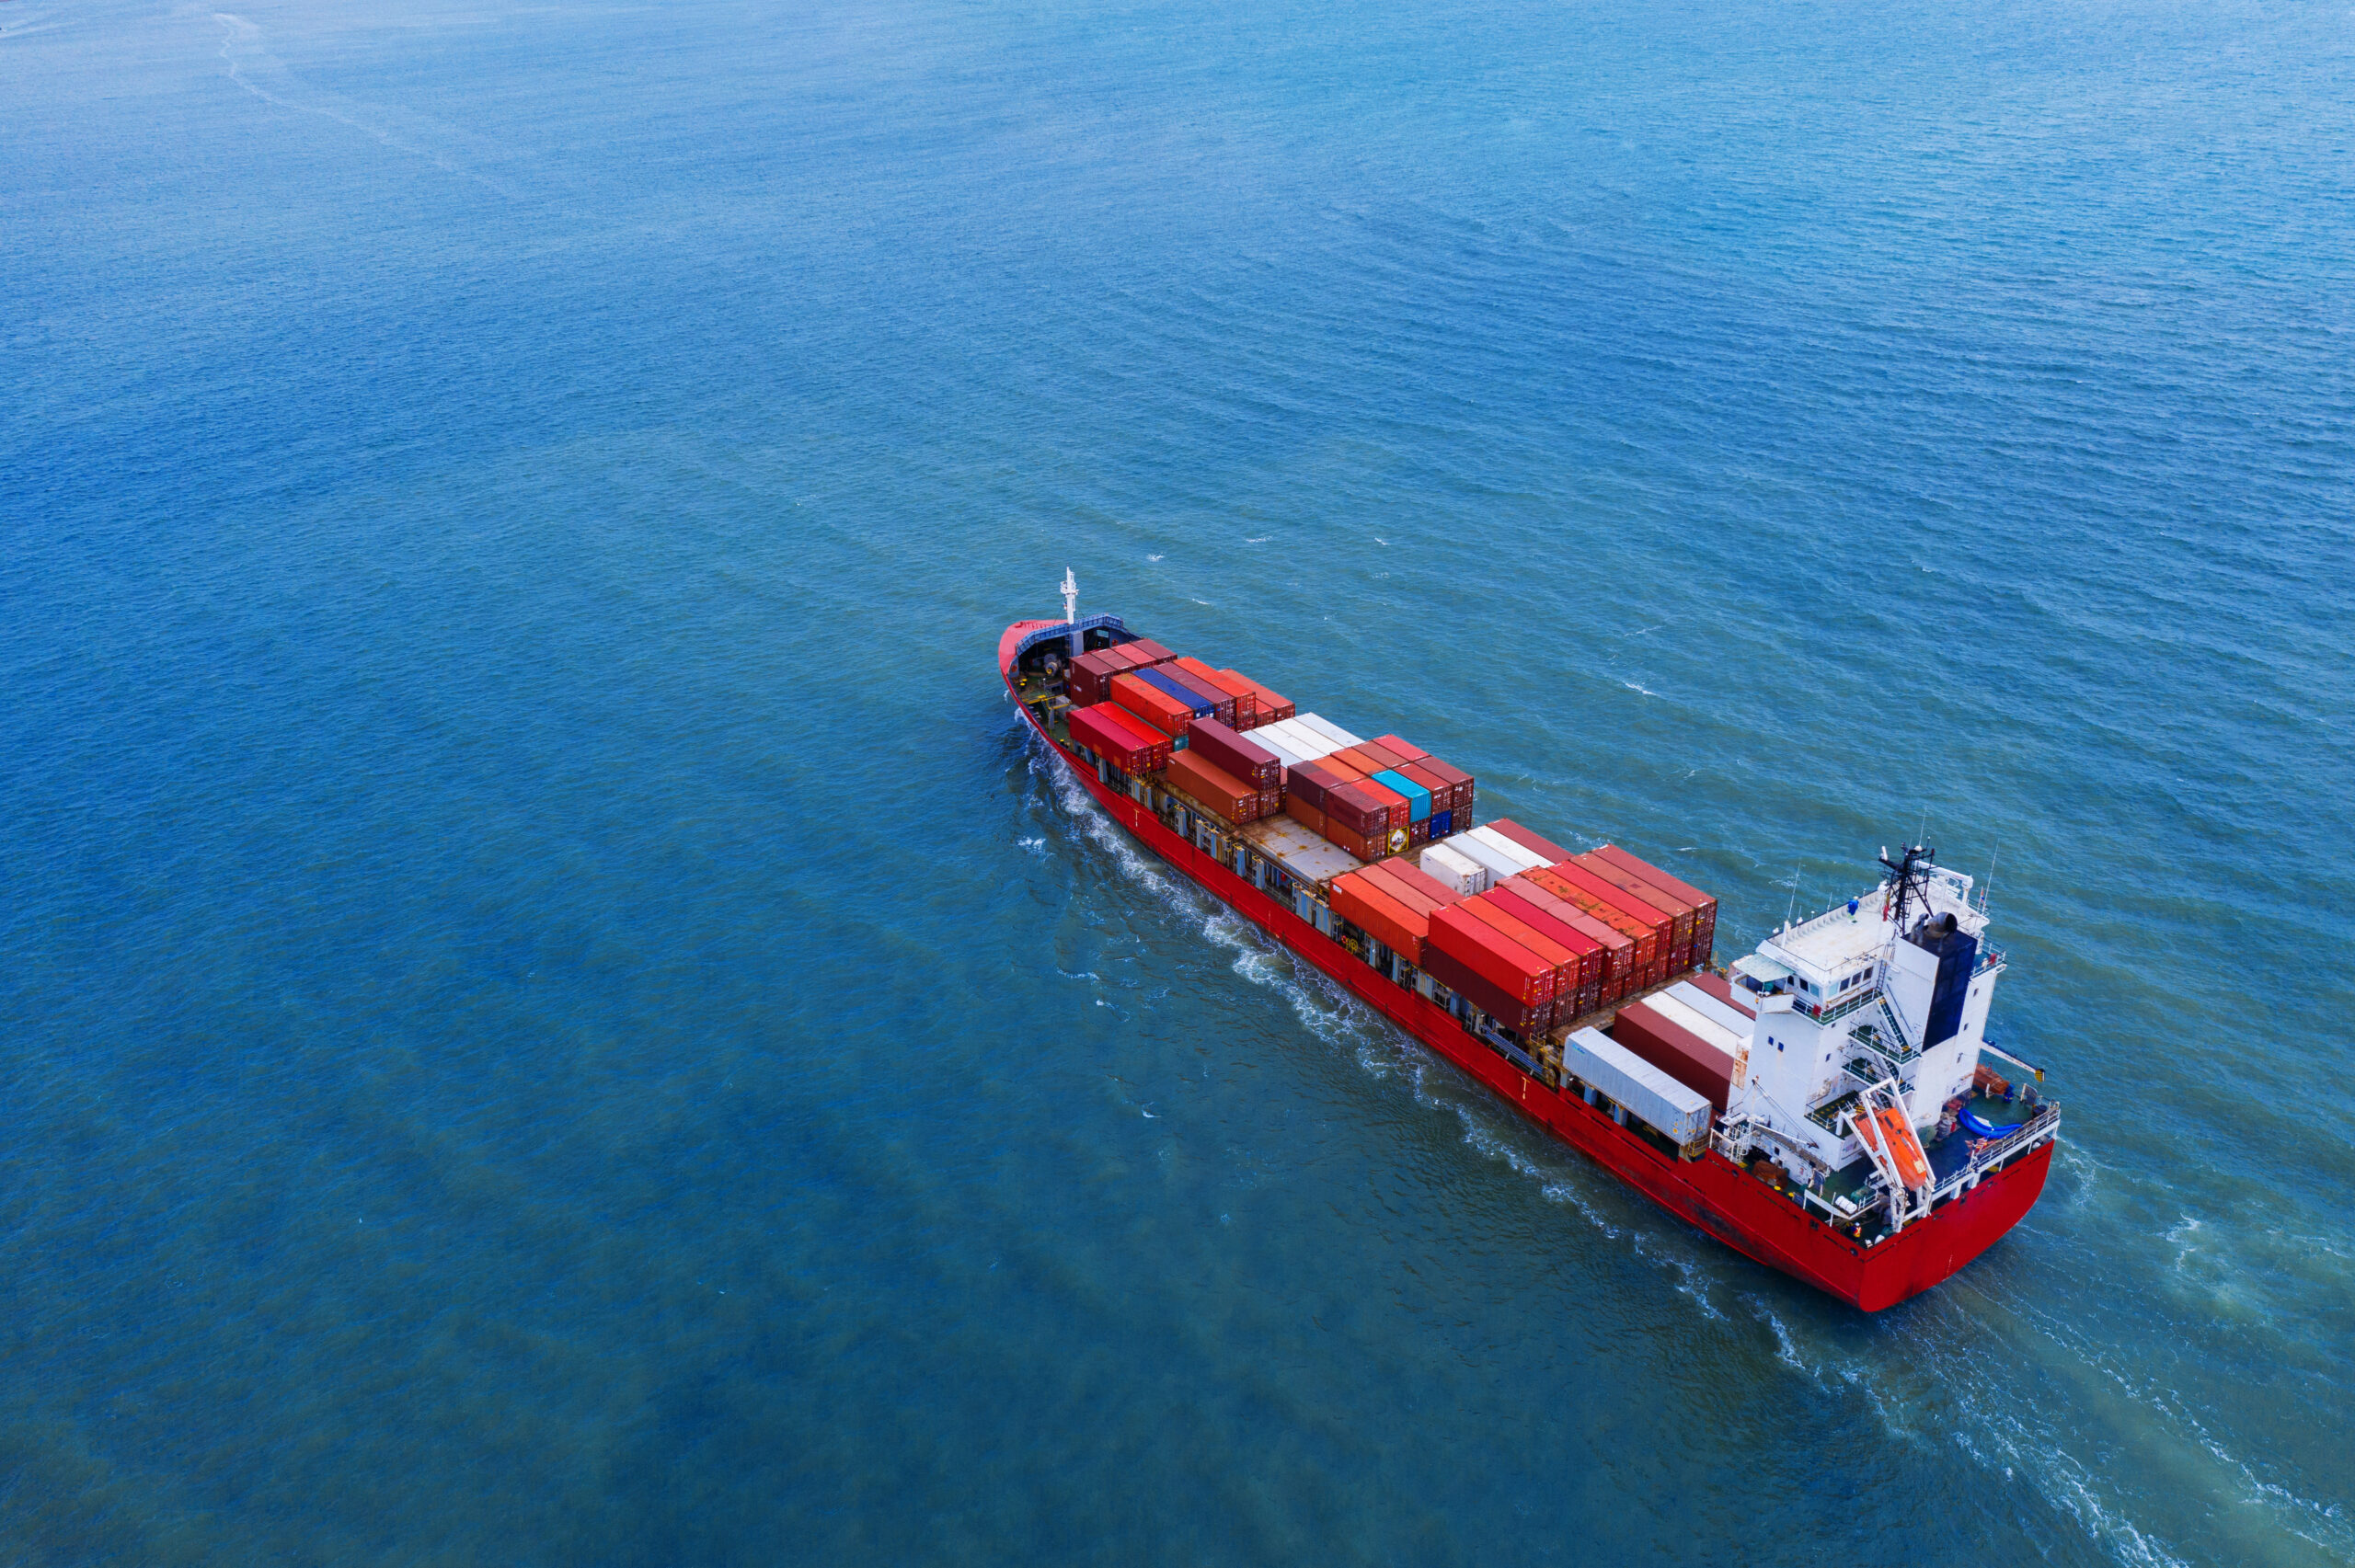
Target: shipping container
<point>1209,700</point>
<point>1514,899</point>
<point>1623,909</point>
<point>1368,906</point>
<point>1684,1056</point>
<point>1089,676</point>
<point>1381,755</point>
<point>1126,744</point>
<point>1147,652</point>
<point>1248,715</point>
<point>1384,873</point>
<point>1565,960</point>
<point>1544,849</point>
<point>1522,1017</point>
<point>1411,752</point>
<point>1489,952</point>
<point>1500,864</point>
<point>1366,846</point>
<point>1307,858</point>
<point>1621,968</point>
<point>1743,1002</point>
<point>1274,707</point>
<point>1704,1026</point>
<point>1215,790</point>
<point>1219,746</point>
<point>1305,815</point>
<point>1655,1098</point>
<point>1358,808</point>
<point>1458,873</point>
<point>1704,904</point>
<point>1393,802</point>
<point>1442,823</point>
<point>1419,799</point>
<point>1265,737</point>
<point>1150,705</point>
<point>1418,834</point>
<point>1460,789</point>
<point>1526,859</point>
<point>1311,782</point>
<point>1680,914</point>
<point>1326,727</point>
<point>1416,880</point>
<point>1194,704</point>
<point>1717,1008</point>
<point>1309,743</point>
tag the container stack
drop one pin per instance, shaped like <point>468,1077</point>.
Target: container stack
<point>1090,679</point>
<point>1475,959</point>
<point>1156,704</point>
<point>1246,762</point>
<point>1120,740</point>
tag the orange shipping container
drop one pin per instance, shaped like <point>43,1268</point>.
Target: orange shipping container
<point>1152,705</point>
<point>1490,954</point>
<point>1356,898</point>
<point>1217,791</point>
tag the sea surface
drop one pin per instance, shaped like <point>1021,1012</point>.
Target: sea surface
<point>553,1013</point>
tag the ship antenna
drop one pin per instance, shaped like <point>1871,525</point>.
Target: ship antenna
<point>1071,597</point>
<point>1987,889</point>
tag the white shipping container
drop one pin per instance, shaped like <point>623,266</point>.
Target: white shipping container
<point>1529,858</point>
<point>1265,735</point>
<point>1326,727</point>
<point>1458,873</point>
<point>1306,743</point>
<point>1709,1007</point>
<point>1707,1030</point>
<point>1500,864</point>
<point>1650,1095</point>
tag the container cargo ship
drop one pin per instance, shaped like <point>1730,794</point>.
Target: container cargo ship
<point>1828,1104</point>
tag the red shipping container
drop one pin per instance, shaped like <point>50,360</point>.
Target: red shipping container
<point>1271,801</point>
<point>1354,806</point>
<point>1381,755</point>
<point>1311,782</point>
<point>1618,975</point>
<point>1371,909</point>
<point>1678,910</point>
<point>1400,813</point>
<point>1152,705</point>
<point>1528,1018</point>
<point>1366,846</point>
<point>1146,651</point>
<point>1384,875</point>
<point>1221,707</point>
<point>1396,747</point>
<point>1521,973</point>
<point>1306,816</point>
<point>1567,960</point>
<point>1458,783</point>
<point>1627,975</point>
<point>1223,748</point>
<point>1420,881</point>
<point>1441,790</point>
<point>1213,789</point>
<point>1419,832</point>
<point>1089,675</point>
<point>1684,1056</point>
<point>1634,913</point>
<point>1274,707</point>
<point>1704,906</point>
<point>1531,841</point>
<point>1247,700</point>
<point>1514,901</point>
<point>1119,740</point>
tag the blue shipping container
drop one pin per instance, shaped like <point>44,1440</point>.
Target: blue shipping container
<point>1419,799</point>
<point>1442,824</point>
<point>1193,700</point>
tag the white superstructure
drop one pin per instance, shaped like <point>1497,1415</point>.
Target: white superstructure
<point>1878,1004</point>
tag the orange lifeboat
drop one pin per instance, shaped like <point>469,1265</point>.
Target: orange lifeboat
<point>1896,1136</point>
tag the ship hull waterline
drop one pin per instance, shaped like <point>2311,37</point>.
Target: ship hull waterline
<point>1711,1193</point>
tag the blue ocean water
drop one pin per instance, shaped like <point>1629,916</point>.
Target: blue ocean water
<point>553,1015</point>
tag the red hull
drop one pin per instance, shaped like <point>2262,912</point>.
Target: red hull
<point>1711,1192</point>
